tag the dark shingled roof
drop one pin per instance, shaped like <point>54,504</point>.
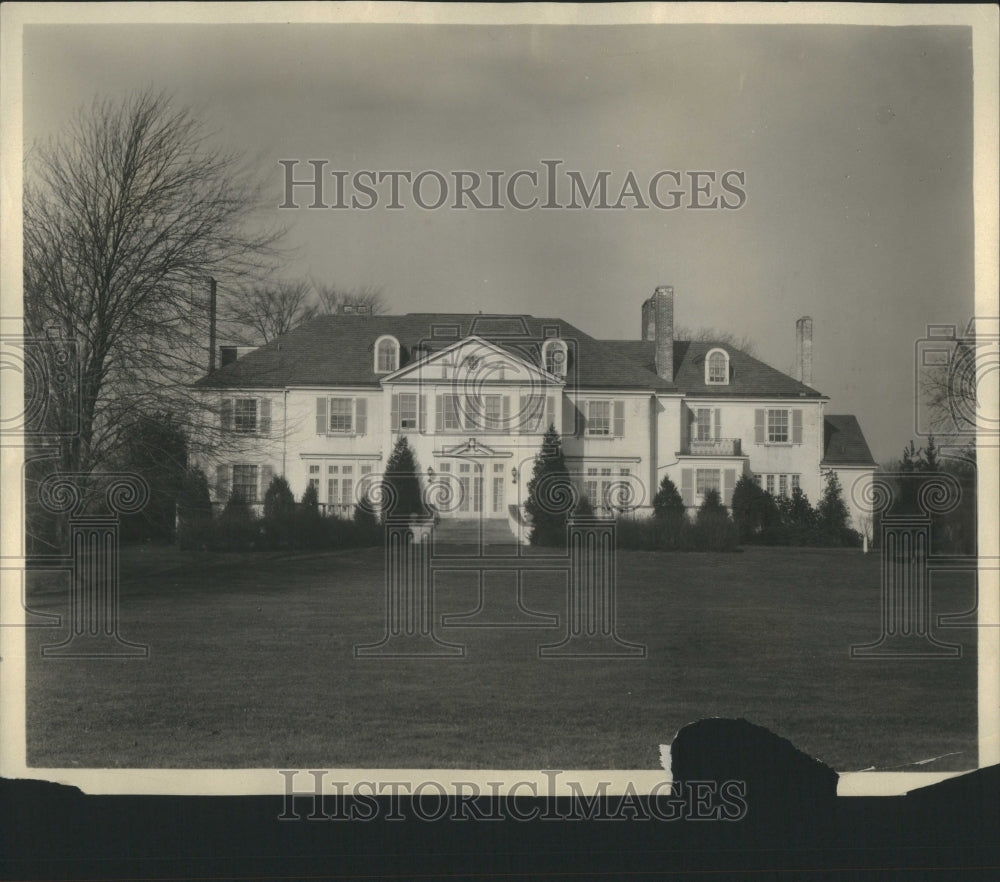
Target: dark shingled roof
<point>843,441</point>
<point>337,350</point>
<point>748,377</point>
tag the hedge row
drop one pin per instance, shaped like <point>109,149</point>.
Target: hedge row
<point>286,525</point>
<point>670,529</point>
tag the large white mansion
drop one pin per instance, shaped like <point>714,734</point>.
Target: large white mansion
<point>326,402</point>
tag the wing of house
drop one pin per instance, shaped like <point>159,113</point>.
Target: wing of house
<point>325,403</point>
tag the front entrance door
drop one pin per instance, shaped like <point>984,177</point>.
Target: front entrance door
<point>470,480</point>
<point>481,482</point>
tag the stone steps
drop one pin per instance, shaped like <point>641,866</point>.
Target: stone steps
<point>489,531</point>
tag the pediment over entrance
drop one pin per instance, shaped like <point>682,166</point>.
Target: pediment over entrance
<point>472,447</point>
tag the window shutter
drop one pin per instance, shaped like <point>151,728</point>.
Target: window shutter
<point>687,487</point>
<point>222,482</point>
<point>265,416</point>
<point>422,416</point>
<point>619,425</point>
<point>266,476</point>
<point>729,483</point>
<point>505,414</point>
<point>227,414</point>
<point>796,426</point>
<point>361,416</point>
<point>550,411</point>
<point>718,423</point>
<point>759,424</point>
<point>525,415</point>
<point>322,426</point>
<point>438,413</point>
<point>394,418</point>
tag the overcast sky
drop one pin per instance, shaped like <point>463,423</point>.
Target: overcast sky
<point>856,143</point>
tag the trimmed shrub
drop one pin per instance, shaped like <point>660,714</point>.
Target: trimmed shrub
<point>279,514</point>
<point>549,485</point>
<point>402,483</point>
<point>667,502</point>
<point>309,526</point>
<point>753,509</point>
<point>714,530</point>
<point>366,526</point>
<point>832,517</point>
<point>194,510</point>
<point>236,529</point>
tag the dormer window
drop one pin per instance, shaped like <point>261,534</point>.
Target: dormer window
<point>386,355</point>
<point>717,368</point>
<point>554,357</point>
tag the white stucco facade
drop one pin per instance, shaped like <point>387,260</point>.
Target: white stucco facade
<point>474,412</point>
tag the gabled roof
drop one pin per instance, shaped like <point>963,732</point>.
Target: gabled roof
<point>844,442</point>
<point>337,350</point>
<point>749,377</point>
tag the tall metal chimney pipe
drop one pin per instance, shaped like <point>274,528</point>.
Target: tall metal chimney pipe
<point>211,325</point>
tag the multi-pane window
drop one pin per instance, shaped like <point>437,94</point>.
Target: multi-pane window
<point>777,426</point>
<point>245,414</point>
<point>387,356</point>
<point>332,484</point>
<point>590,487</point>
<point>408,410</point>
<point>605,486</point>
<point>784,484</point>
<point>493,407</point>
<point>245,482</point>
<point>717,368</point>
<point>314,478</point>
<point>625,471</point>
<point>449,412</point>
<point>599,418</point>
<point>497,487</point>
<point>705,480</point>
<point>366,470</point>
<point>703,424</point>
<point>341,414</point>
<point>464,486</point>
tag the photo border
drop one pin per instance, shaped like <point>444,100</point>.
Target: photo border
<point>15,16</point>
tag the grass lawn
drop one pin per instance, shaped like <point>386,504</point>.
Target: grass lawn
<point>251,665</point>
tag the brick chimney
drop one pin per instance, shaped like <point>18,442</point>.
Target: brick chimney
<point>804,350</point>
<point>662,309</point>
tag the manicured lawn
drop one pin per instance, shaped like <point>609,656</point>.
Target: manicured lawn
<point>251,665</point>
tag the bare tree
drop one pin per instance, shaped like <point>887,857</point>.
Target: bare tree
<point>713,335</point>
<point>127,214</point>
<point>333,299</point>
<point>259,314</point>
<point>949,391</point>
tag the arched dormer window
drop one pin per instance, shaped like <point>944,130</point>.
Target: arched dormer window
<point>554,357</point>
<point>386,355</point>
<point>717,368</point>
